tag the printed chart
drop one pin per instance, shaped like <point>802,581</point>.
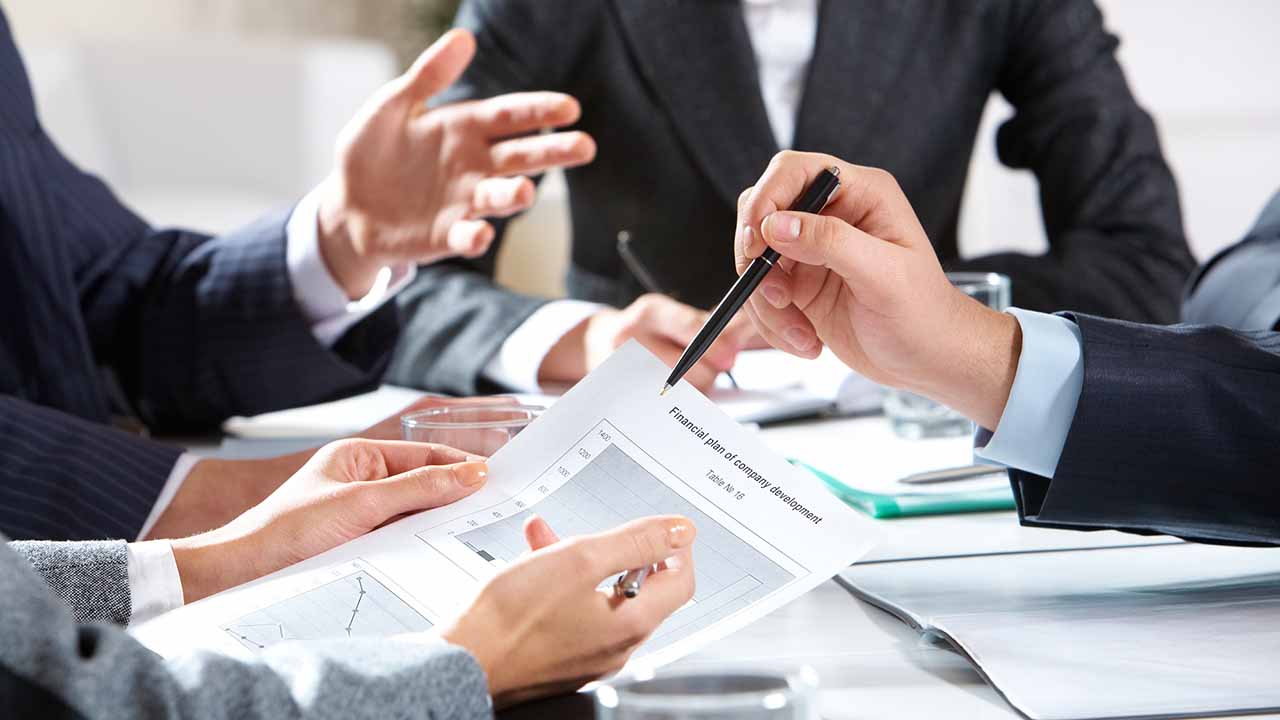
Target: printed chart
<point>596,486</point>
<point>354,605</point>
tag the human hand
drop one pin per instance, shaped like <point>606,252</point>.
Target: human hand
<point>346,489</point>
<point>411,184</point>
<point>664,326</point>
<point>542,627</point>
<point>215,491</point>
<point>862,278</point>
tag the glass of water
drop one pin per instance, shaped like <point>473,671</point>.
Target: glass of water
<point>479,428</point>
<point>740,694</point>
<point>914,417</point>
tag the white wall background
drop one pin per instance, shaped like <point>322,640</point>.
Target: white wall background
<point>1208,71</point>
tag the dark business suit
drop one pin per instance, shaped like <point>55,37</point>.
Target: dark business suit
<point>193,329</point>
<point>1177,429</point>
<point>669,90</point>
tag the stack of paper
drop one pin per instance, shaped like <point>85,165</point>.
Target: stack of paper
<point>1161,631</point>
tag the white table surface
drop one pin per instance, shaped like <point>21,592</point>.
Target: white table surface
<point>871,664</point>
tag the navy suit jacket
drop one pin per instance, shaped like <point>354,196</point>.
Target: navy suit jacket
<point>192,329</point>
<point>1177,430</point>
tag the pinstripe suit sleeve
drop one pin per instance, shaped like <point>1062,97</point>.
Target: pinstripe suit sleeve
<point>206,328</point>
<point>68,478</point>
<point>196,328</point>
<point>1174,433</point>
<point>53,666</point>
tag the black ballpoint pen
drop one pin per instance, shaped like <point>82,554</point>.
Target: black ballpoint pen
<point>815,198</point>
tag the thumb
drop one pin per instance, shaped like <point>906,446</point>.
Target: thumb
<point>440,65</point>
<point>827,241</point>
<point>425,487</point>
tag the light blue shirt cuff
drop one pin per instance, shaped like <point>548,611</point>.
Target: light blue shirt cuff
<point>1042,403</point>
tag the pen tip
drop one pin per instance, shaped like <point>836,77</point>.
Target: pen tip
<point>665,388</point>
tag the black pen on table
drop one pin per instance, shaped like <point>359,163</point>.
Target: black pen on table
<point>815,198</point>
<point>647,280</point>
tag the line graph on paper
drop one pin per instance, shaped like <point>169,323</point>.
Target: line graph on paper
<point>604,481</point>
<point>354,603</point>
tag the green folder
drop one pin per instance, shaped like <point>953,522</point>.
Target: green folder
<point>880,505</point>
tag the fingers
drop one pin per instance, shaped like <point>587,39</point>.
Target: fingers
<point>866,263</point>
<point>440,65</point>
<point>425,487</point>
<point>537,153</point>
<point>501,197</point>
<point>400,456</point>
<point>470,238</point>
<point>782,183</point>
<point>525,112</point>
<point>785,328</point>
<point>740,333</point>
<point>665,591</point>
<point>538,534</point>
<point>639,543</point>
<point>868,199</point>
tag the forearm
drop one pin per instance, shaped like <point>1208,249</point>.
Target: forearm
<point>218,491</point>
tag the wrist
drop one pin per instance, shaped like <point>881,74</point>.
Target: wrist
<point>482,646</point>
<point>566,361</point>
<point>212,562</point>
<point>215,492</point>
<point>348,259</point>
<point>974,372</point>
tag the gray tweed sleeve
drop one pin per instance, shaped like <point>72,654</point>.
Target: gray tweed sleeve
<point>92,578</point>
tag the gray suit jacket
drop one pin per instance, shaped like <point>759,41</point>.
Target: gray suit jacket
<point>1240,286</point>
<point>56,664</point>
<point>669,90</point>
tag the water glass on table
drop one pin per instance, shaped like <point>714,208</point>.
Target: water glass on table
<point>480,428</point>
<point>914,417</point>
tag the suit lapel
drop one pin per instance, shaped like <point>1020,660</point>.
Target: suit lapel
<point>857,57</point>
<point>697,58</point>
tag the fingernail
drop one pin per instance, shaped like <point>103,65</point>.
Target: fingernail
<point>784,227</point>
<point>471,474</point>
<point>798,339</point>
<point>772,294</point>
<point>477,458</point>
<point>748,238</point>
<point>680,534</point>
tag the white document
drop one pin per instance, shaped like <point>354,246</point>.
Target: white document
<point>1164,631</point>
<point>609,451</point>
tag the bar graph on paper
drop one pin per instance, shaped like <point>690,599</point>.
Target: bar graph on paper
<point>353,603</point>
<point>598,484</point>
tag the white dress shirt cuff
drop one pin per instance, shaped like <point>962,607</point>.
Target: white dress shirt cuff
<point>323,303</point>
<point>181,469</point>
<point>1042,403</point>
<point>154,584</point>
<point>516,364</point>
